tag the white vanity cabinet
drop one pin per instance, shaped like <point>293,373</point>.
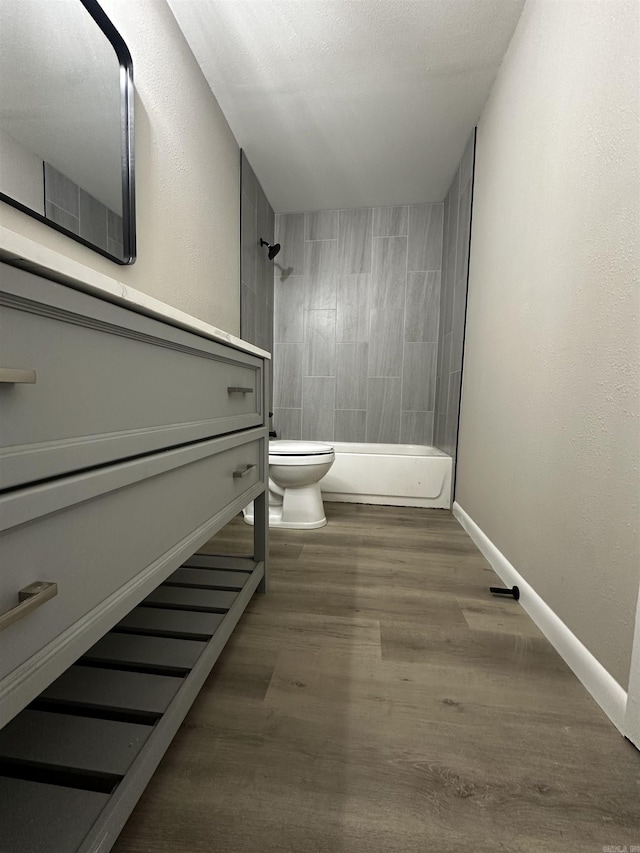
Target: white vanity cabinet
<point>126,442</point>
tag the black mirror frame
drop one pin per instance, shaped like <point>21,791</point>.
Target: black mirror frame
<point>127,148</point>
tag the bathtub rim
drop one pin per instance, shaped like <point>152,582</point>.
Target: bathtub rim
<point>361,448</point>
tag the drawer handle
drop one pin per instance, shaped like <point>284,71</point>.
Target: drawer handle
<point>30,597</point>
<point>242,472</point>
<point>237,389</point>
<point>10,376</point>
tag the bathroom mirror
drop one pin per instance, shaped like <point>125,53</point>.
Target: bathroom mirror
<point>66,122</point>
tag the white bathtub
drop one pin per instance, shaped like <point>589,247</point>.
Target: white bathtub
<point>392,474</point>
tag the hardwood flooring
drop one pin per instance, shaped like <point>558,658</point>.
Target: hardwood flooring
<point>379,700</point>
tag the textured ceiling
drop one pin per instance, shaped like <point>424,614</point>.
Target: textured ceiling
<point>350,103</point>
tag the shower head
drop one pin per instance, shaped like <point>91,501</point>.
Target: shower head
<point>273,250</point>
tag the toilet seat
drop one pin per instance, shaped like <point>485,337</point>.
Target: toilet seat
<point>299,448</point>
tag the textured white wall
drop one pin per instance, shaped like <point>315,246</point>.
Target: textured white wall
<point>187,178</point>
<point>549,435</point>
<point>21,175</point>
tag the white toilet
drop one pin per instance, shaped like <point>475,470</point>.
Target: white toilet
<point>295,471</point>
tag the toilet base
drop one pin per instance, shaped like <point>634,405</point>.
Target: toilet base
<point>300,508</point>
<point>275,520</point>
<point>298,525</point>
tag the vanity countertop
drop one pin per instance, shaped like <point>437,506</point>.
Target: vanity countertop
<point>34,257</point>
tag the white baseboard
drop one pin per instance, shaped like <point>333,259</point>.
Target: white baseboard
<point>601,685</point>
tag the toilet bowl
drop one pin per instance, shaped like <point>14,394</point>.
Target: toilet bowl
<point>295,471</point>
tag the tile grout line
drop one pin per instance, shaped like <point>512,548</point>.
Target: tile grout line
<point>404,326</point>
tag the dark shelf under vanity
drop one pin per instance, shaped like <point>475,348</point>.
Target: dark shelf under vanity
<point>75,762</point>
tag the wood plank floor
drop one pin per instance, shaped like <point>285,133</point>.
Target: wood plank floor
<point>379,699</point>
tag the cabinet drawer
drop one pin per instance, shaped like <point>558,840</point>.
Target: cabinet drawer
<point>107,538</point>
<point>110,383</point>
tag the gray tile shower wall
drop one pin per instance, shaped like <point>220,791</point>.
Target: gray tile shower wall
<point>357,310</point>
<point>256,270</point>
<point>69,205</point>
<point>453,303</point>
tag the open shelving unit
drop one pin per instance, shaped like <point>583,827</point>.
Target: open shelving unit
<point>75,761</point>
